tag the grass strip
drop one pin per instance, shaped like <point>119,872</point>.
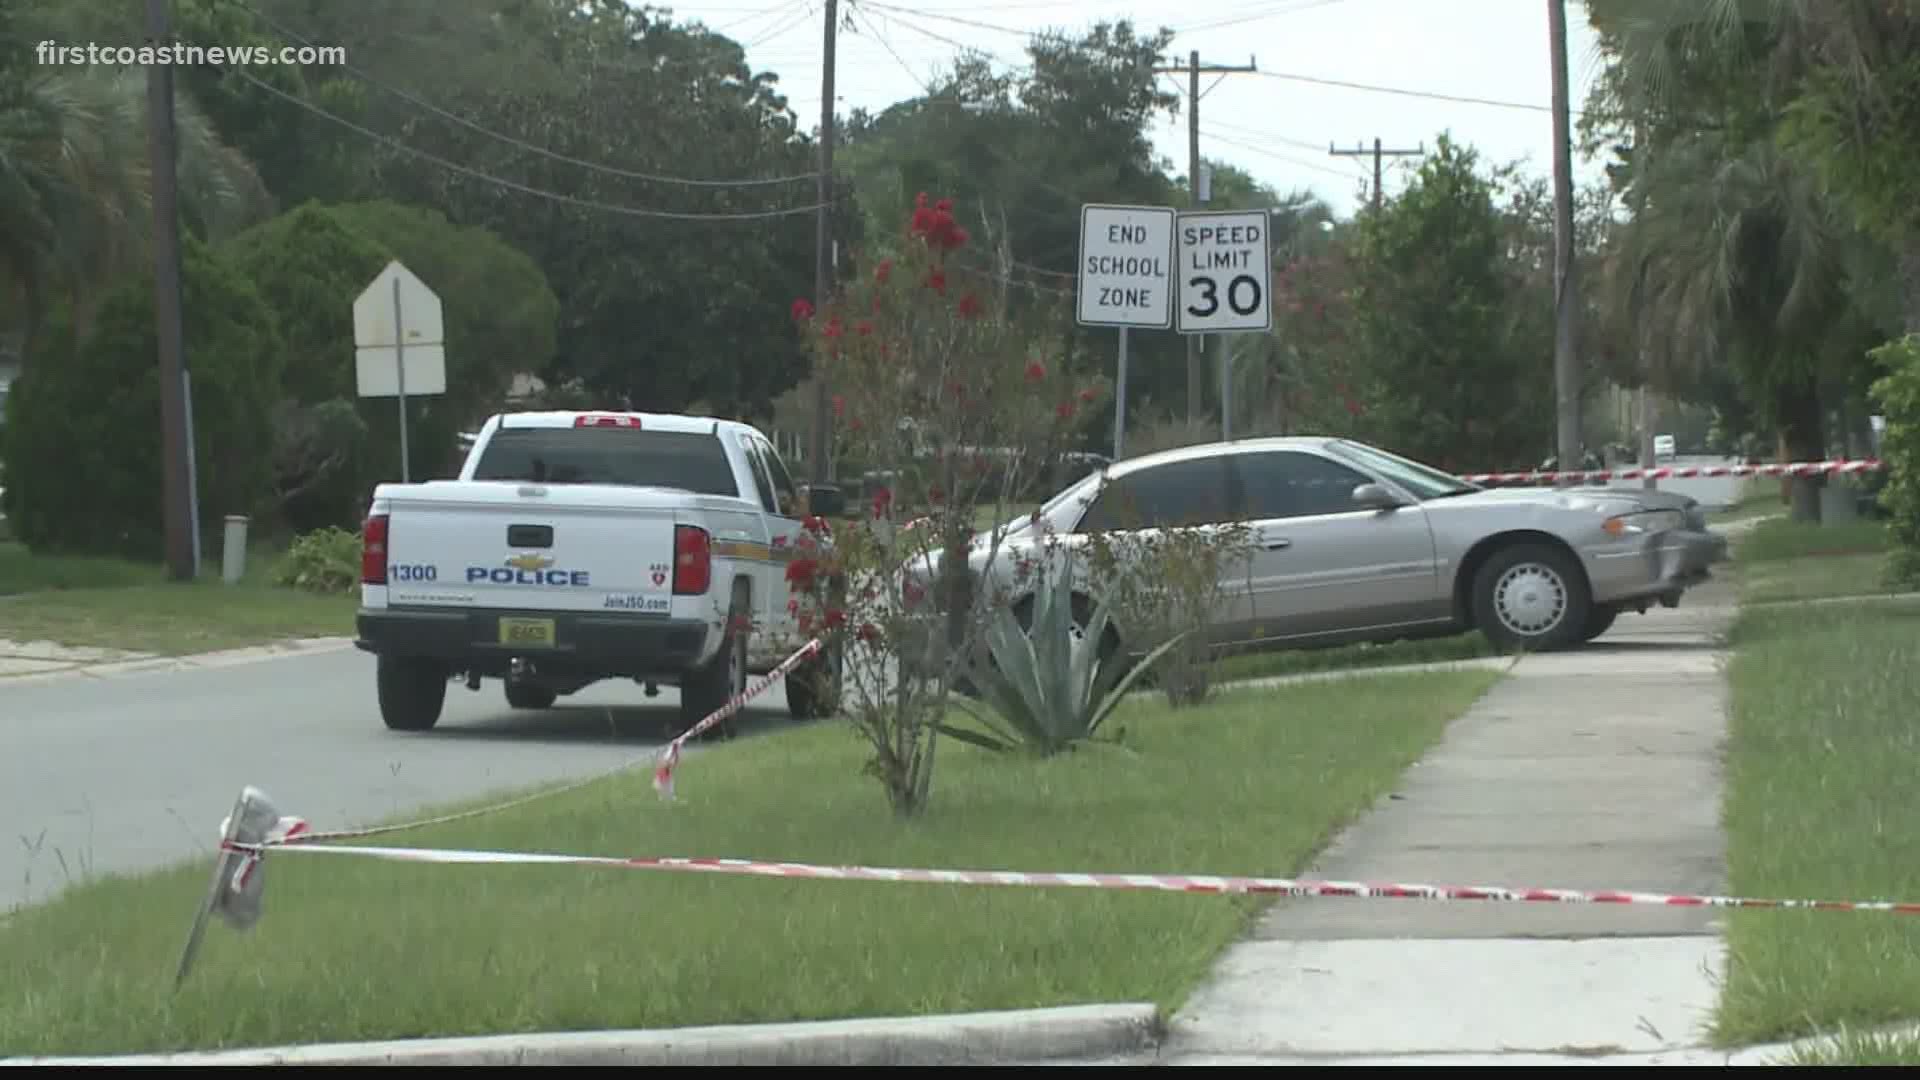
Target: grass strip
<point>1821,803</point>
<point>1253,782</point>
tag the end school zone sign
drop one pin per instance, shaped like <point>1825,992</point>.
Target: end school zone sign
<point>1126,266</point>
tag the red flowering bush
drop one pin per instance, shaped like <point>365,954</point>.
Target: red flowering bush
<point>961,407</point>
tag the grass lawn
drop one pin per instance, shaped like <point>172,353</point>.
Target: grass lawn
<point>1790,560</point>
<point>1253,782</point>
<point>112,603</point>
<point>1470,646</point>
<point>1822,803</point>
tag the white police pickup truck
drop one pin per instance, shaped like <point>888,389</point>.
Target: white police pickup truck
<point>580,546</point>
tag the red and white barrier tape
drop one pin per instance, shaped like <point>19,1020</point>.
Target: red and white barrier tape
<point>663,775</point>
<point>1681,472</point>
<point>1181,883</point>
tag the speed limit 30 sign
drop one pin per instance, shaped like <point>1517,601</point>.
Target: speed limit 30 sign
<point>1224,260</point>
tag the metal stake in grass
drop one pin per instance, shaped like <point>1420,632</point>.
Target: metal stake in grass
<point>236,898</point>
<point>221,870</point>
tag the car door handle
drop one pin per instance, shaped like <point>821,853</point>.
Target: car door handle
<point>1277,543</point>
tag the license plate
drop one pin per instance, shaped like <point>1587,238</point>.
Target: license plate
<point>535,632</point>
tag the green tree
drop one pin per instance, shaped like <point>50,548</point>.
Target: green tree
<point>78,446</point>
<point>1445,376</point>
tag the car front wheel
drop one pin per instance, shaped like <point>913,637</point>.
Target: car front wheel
<point>1532,598</point>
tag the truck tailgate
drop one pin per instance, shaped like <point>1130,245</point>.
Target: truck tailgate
<point>490,546</point>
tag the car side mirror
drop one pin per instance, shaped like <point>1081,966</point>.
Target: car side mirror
<point>826,500</point>
<point>1376,497</point>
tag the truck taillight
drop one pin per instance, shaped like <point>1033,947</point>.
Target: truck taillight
<point>692,560</point>
<point>606,421</point>
<point>373,550</point>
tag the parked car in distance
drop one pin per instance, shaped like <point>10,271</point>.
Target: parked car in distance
<point>1353,543</point>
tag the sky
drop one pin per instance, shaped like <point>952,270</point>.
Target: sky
<point>1278,124</point>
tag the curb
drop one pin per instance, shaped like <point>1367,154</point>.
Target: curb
<point>147,664</point>
<point>966,1038</point>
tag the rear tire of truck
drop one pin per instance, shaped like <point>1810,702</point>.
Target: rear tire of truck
<point>411,692</point>
<point>813,686</point>
<point>724,677</point>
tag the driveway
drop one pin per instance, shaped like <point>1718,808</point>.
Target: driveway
<point>136,772</point>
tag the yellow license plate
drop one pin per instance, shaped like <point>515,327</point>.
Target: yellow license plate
<point>537,632</point>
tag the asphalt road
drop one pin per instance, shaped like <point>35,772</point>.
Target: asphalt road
<point>136,772</point>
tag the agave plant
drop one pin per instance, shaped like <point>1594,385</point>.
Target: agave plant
<point>1050,686</point>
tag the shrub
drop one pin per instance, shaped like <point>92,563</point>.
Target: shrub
<point>82,439</point>
<point>1898,393</point>
<point>323,561</point>
<point>961,405</point>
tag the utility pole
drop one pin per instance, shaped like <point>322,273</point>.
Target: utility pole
<point>818,454</point>
<point>176,473</point>
<point>1193,70</point>
<point>1378,154</point>
<point>1566,295</point>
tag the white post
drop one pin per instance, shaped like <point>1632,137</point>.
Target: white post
<point>400,377</point>
<point>1120,400</point>
<point>233,550</point>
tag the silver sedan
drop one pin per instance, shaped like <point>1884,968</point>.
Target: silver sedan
<point>1352,543</point>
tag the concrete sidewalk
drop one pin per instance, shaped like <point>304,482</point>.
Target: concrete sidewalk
<point>1595,769</point>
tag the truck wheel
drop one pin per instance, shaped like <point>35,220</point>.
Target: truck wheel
<point>1532,597</point>
<point>813,687</point>
<point>725,676</point>
<point>530,696</point>
<point>411,692</point>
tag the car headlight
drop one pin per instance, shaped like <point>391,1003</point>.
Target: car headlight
<point>1643,522</point>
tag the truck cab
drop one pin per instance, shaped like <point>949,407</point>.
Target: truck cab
<point>580,546</point>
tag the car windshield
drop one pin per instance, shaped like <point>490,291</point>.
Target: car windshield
<point>1422,481</point>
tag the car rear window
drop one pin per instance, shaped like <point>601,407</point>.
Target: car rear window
<point>689,461</point>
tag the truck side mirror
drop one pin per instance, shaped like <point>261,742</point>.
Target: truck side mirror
<point>826,500</point>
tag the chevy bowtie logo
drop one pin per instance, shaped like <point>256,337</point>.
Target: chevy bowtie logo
<point>530,561</point>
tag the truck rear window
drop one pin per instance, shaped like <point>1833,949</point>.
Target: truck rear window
<point>690,461</point>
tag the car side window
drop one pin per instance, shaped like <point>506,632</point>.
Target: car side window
<point>782,480</point>
<point>758,467</point>
<point>1288,483</point>
<point>1190,492</point>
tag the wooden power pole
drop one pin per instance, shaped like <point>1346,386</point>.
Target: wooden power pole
<point>819,452</point>
<point>1378,155</point>
<point>1566,294</point>
<point>176,470</point>
<point>1193,70</point>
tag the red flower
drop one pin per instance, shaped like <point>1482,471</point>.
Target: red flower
<point>1353,407</point>
<point>1087,395</point>
<point>934,494</point>
<point>882,502</point>
<point>801,571</point>
<point>1064,410</point>
<point>816,525</point>
<point>937,281</point>
<point>880,272</point>
<point>833,328</point>
<point>1036,371</point>
<point>912,594</point>
<point>839,405</point>
<point>868,632</point>
<point>969,306</point>
<point>802,310</point>
<point>806,622</point>
<point>864,328</point>
<point>836,618</point>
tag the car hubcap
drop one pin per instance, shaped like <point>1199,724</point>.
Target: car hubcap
<point>1530,599</point>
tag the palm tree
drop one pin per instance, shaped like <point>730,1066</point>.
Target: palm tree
<point>74,189</point>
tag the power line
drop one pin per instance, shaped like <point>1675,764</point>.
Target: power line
<point>521,143</point>
<point>1237,20</point>
<point>1315,166</point>
<point>586,204</point>
<point>956,19</point>
<point>1427,94</point>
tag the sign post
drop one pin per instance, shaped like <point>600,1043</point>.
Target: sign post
<point>399,340</point>
<point>1125,281</point>
<point>1226,267</point>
